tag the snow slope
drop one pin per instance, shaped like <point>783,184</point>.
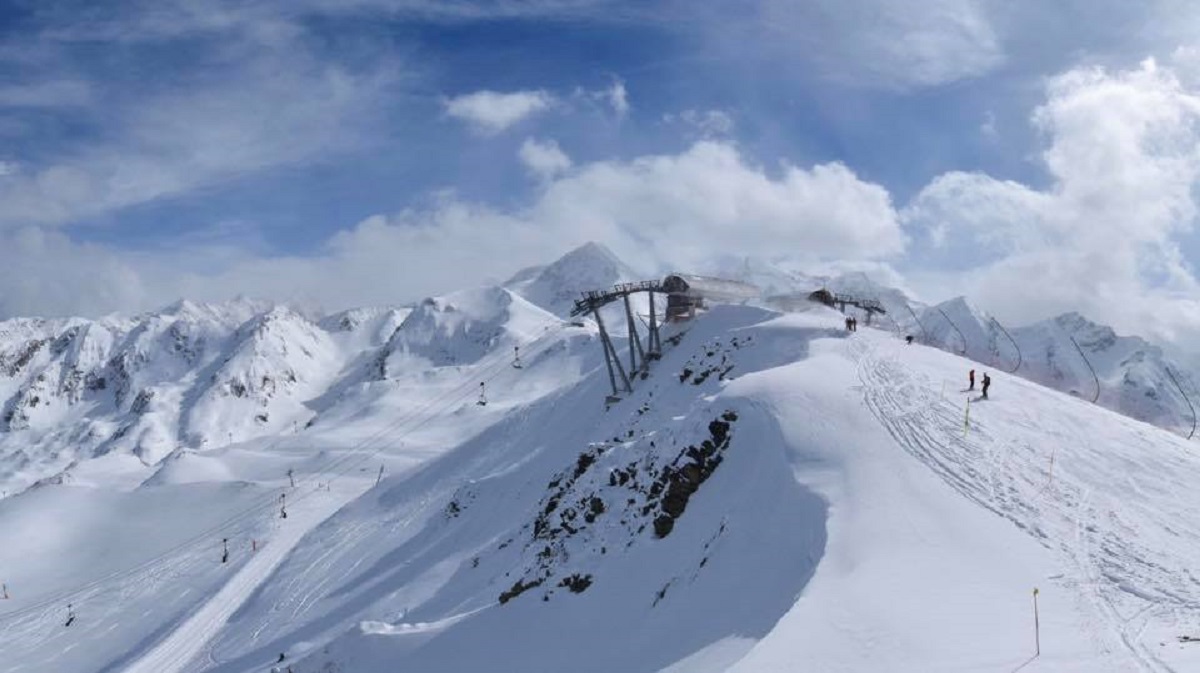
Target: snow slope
<point>776,494</point>
<point>838,515</point>
<point>152,601</point>
<point>1134,376</point>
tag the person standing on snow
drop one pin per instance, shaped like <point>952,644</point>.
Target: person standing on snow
<point>971,379</point>
<point>987,382</point>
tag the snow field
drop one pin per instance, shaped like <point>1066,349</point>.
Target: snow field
<point>180,627</point>
<point>839,511</point>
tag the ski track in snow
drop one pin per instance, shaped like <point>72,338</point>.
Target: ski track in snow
<point>186,641</point>
<point>1124,583</point>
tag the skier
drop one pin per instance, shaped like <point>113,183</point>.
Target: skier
<point>987,382</point>
<point>853,324</point>
<point>70,615</point>
<point>847,324</point>
<point>971,379</point>
<point>908,339</point>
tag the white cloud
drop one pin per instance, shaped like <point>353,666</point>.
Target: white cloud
<point>618,98</point>
<point>277,110</point>
<point>1103,238</point>
<point>614,97</point>
<point>43,272</point>
<point>682,210</point>
<point>885,43</point>
<point>491,112</point>
<point>703,123</point>
<point>679,210</point>
<point>544,159</point>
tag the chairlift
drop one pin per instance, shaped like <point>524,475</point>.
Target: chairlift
<point>482,401</point>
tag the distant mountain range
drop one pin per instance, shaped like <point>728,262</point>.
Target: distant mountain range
<point>202,375</point>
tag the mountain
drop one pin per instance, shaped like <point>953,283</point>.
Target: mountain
<point>555,287</point>
<point>960,327</point>
<point>1133,375</point>
<point>774,490</point>
<point>200,376</point>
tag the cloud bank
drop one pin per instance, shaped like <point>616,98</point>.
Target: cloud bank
<point>655,211</point>
<point>1103,237</point>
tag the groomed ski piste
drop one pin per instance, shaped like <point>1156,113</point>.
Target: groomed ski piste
<point>776,494</point>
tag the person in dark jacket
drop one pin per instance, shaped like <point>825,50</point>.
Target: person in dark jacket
<point>987,382</point>
<point>971,379</point>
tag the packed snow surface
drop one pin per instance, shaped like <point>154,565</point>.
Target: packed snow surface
<point>776,494</point>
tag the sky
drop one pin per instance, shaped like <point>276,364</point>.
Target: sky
<point>1038,157</point>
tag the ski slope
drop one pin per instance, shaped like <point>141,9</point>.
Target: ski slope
<point>1108,496</point>
<point>155,606</point>
<point>937,529</point>
<point>775,494</point>
<point>189,638</point>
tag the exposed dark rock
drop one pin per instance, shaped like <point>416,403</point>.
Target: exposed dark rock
<point>142,402</point>
<point>518,588</point>
<point>663,525</point>
<point>576,583</point>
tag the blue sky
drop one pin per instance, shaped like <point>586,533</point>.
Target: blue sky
<point>1039,157</point>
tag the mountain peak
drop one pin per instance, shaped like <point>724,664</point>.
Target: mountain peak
<point>556,286</point>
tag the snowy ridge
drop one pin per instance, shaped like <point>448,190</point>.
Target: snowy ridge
<point>556,287</point>
<point>1132,373</point>
<point>462,327</point>
<point>200,376</point>
<point>775,490</point>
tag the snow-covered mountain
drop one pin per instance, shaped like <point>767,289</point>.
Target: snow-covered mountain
<point>555,287</point>
<point>774,492</point>
<point>1133,375</point>
<point>200,376</point>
